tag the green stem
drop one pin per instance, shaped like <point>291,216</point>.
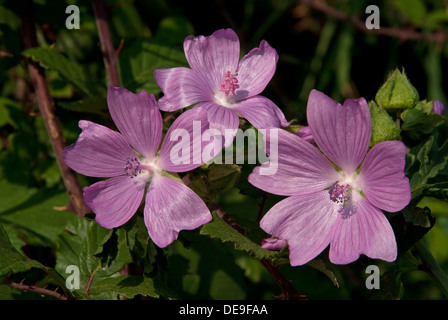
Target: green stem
<point>430,265</point>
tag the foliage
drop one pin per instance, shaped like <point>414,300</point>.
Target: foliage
<point>40,236</point>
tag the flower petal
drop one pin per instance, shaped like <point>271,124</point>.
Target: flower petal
<point>295,167</point>
<point>382,177</point>
<point>181,87</point>
<point>170,207</point>
<point>367,231</point>
<point>342,132</point>
<point>114,201</point>
<point>305,133</point>
<point>255,70</point>
<point>212,56</point>
<point>261,112</point>
<point>306,222</point>
<point>224,120</point>
<point>98,152</point>
<point>185,145</point>
<point>138,118</point>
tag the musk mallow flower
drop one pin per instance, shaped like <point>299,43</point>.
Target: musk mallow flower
<point>131,159</point>
<point>335,195</point>
<point>221,83</point>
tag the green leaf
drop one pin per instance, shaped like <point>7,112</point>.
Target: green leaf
<point>9,18</point>
<point>223,177</point>
<point>72,71</point>
<point>432,160</point>
<point>93,105</point>
<point>11,260</point>
<point>219,229</point>
<point>126,286</point>
<point>414,10</point>
<point>98,252</point>
<point>138,62</point>
<point>383,126</point>
<point>34,211</point>
<point>397,92</point>
<point>421,119</point>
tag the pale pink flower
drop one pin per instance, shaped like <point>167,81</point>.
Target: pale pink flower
<point>130,159</point>
<point>335,194</point>
<point>221,83</point>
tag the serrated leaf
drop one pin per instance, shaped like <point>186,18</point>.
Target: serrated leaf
<point>138,62</point>
<point>219,229</point>
<point>432,160</point>
<point>126,286</point>
<point>421,119</point>
<point>223,177</point>
<point>11,260</point>
<point>72,71</point>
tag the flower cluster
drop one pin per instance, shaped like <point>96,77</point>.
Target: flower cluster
<point>335,187</point>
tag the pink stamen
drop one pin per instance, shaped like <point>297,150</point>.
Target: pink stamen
<point>230,83</point>
<point>132,167</point>
<point>338,193</point>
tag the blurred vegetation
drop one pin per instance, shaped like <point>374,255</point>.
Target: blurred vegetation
<point>315,51</point>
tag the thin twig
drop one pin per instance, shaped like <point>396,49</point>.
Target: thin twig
<point>110,55</point>
<point>34,288</point>
<point>439,37</point>
<point>48,112</point>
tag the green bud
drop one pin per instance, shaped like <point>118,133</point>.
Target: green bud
<point>397,92</point>
<point>383,126</point>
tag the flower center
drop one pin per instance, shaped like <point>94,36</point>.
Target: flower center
<point>132,167</point>
<point>339,193</point>
<point>230,83</point>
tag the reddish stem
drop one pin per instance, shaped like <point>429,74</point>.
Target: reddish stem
<point>48,112</point>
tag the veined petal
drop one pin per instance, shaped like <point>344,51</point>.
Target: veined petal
<point>295,167</point>
<point>98,152</point>
<point>342,132</point>
<point>255,70</point>
<point>261,112</point>
<point>138,118</point>
<point>181,87</point>
<point>306,222</point>
<point>212,56</point>
<point>114,201</point>
<point>382,177</point>
<point>223,120</point>
<point>170,207</point>
<point>367,231</point>
<point>185,146</point>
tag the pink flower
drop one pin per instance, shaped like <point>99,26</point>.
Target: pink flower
<point>218,82</point>
<point>338,205</point>
<point>438,107</point>
<point>130,159</point>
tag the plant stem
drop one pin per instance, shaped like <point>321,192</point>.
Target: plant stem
<point>107,49</point>
<point>48,112</point>
<point>34,288</point>
<point>430,265</point>
<point>438,37</point>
